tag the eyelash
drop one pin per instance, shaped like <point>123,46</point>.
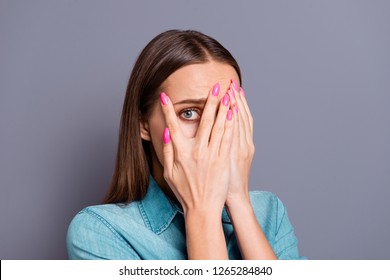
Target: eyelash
<point>197,110</point>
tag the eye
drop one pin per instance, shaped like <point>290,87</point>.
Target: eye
<point>190,114</point>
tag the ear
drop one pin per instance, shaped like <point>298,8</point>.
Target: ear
<point>144,128</point>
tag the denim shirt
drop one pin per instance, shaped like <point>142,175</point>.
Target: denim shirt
<point>154,228</point>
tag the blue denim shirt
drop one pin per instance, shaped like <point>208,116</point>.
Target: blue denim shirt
<point>154,228</point>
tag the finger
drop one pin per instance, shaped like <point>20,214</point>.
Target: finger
<point>250,120</point>
<point>237,130</point>
<point>170,118</point>
<point>208,117</point>
<point>241,116</point>
<point>246,106</point>
<point>227,138</point>
<point>239,100</point>
<point>246,122</point>
<point>168,153</point>
<point>219,124</point>
<point>235,146</point>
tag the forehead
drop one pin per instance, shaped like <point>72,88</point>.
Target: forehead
<point>196,80</point>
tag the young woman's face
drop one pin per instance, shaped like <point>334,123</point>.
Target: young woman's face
<point>188,89</point>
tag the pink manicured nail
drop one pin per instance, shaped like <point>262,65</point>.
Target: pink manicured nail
<point>229,115</point>
<point>166,136</point>
<point>163,98</point>
<point>236,108</point>
<point>226,99</point>
<point>242,91</point>
<point>235,85</point>
<point>216,89</point>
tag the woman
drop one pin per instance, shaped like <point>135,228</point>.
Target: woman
<point>180,185</point>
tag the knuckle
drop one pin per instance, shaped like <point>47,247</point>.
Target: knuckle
<point>251,150</point>
<point>173,129</point>
<point>166,174</point>
<point>183,156</point>
<point>218,131</point>
<point>179,160</point>
<point>197,155</point>
<point>229,125</point>
<point>247,152</point>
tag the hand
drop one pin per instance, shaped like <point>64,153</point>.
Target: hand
<point>197,169</point>
<point>251,239</point>
<point>243,149</point>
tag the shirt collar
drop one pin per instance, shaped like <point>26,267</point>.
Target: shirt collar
<point>158,210</point>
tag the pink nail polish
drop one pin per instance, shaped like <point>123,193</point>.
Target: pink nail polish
<point>216,89</point>
<point>226,99</point>
<point>163,98</point>
<point>235,85</point>
<point>229,115</point>
<point>236,108</point>
<point>166,136</point>
<point>242,91</point>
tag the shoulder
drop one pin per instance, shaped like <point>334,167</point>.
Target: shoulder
<point>105,214</point>
<point>265,201</point>
<point>103,225</point>
<point>262,196</point>
<point>269,210</point>
<point>108,216</point>
<point>272,216</point>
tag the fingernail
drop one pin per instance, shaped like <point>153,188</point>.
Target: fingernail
<point>226,99</point>
<point>229,115</point>
<point>236,108</point>
<point>166,136</point>
<point>242,91</point>
<point>216,89</point>
<point>163,98</point>
<point>235,85</point>
<point>232,91</point>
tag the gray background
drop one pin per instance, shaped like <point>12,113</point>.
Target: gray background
<point>316,74</point>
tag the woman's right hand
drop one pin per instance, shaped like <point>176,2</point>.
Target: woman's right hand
<point>197,170</point>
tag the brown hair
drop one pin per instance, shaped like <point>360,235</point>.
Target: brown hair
<point>162,56</point>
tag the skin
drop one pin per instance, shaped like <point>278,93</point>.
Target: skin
<point>204,164</point>
<point>192,82</point>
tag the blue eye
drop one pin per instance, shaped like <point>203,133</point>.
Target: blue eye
<point>190,114</point>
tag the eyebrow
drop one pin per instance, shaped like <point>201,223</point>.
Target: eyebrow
<point>201,101</point>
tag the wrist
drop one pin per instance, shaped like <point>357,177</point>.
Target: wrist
<point>238,199</point>
<point>204,233</point>
<point>239,207</point>
<point>202,214</point>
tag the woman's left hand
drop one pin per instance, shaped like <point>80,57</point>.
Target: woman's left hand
<point>242,150</point>
<point>251,239</point>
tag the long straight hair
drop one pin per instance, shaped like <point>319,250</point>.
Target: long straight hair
<point>162,56</point>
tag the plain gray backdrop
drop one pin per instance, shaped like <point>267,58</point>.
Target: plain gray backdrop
<point>316,74</point>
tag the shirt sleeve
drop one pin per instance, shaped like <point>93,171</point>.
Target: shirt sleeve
<point>91,237</point>
<point>285,243</point>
